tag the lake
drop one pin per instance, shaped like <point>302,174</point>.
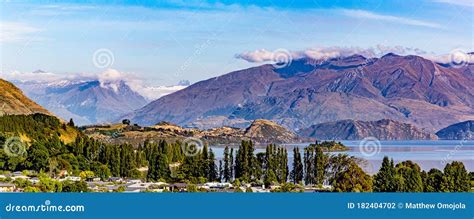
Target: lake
<point>428,154</point>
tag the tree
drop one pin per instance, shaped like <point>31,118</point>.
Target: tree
<point>384,180</point>
<point>270,178</point>
<point>86,175</point>
<point>456,178</point>
<point>47,184</point>
<point>213,173</point>
<point>38,156</point>
<point>71,123</point>
<point>353,179</point>
<point>227,165</point>
<point>126,121</point>
<point>408,177</point>
<point>244,161</point>
<point>309,165</point>
<point>297,171</point>
<point>79,186</point>
<point>320,162</point>
<point>231,166</point>
<point>433,181</point>
<point>221,171</point>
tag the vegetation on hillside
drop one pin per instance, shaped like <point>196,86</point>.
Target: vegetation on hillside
<point>37,127</point>
<point>164,161</point>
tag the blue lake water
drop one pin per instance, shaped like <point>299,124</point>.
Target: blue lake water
<point>428,154</point>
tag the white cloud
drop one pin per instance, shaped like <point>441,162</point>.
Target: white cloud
<point>38,76</point>
<point>389,18</point>
<point>456,57</point>
<point>15,31</point>
<point>262,55</point>
<point>110,78</point>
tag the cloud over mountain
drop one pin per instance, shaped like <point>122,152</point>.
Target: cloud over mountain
<point>109,78</point>
<point>455,57</point>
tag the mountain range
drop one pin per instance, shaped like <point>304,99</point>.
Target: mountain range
<point>86,102</point>
<point>384,129</point>
<point>408,89</point>
<point>89,99</point>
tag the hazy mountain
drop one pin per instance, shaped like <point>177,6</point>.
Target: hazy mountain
<point>87,102</point>
<point>408,89</point>
<point>14,102</point>
<point>458,131</point>
<point>356,130</point>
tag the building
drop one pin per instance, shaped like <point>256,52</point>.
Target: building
<point>7,187</point>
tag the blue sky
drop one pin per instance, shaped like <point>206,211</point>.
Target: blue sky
<point>168,41</point>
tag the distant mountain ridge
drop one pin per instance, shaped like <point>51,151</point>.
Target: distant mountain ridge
<point>408,89</point>
<point>459,131</point>
<point>85,101</point>
<point>357,130</point>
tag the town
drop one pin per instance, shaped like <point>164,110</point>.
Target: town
<point>24,181</point>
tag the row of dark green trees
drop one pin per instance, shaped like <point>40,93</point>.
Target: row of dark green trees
<point>164,161</point>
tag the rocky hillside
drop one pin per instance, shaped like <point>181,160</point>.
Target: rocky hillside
<point>409,89</point>
<point>265,131</point>
<point>355,130</point>
<point>14,102</point>
<point>458,131</point>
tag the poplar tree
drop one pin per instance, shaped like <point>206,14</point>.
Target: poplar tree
<point>297,171</point>
<point>384,180</point>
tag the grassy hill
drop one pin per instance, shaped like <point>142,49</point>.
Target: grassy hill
<point>14,102</point>
<point>37,127</point>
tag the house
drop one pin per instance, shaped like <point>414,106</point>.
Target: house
<point>179,187</point>
<point>17,173</point>
<point>34,180</point>
<point>116,179</point>
<point>112,188</point>
<point>20,177</point>
<point>216,185</point>
<point>7,187</point>
<point>259,189</point>
<point>134,181</point>
<point>142,187</point>
<point>71,178</point>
